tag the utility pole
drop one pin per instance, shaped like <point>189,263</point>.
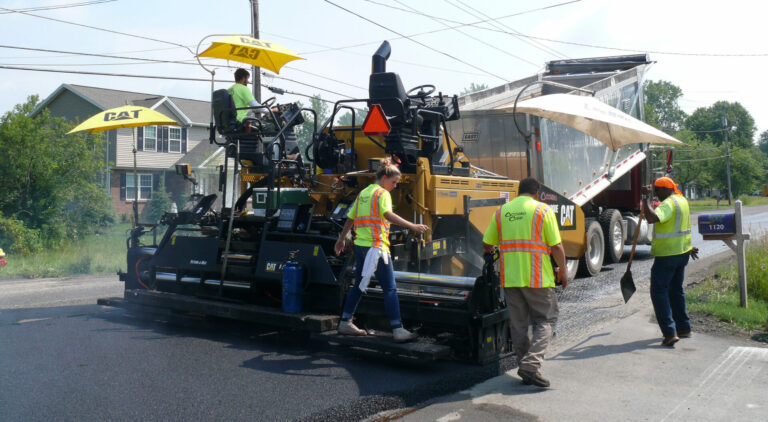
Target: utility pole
<point>727,158</point>
<point>255,71</point>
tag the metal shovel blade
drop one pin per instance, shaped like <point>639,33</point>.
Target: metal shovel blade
<point>627,286</point>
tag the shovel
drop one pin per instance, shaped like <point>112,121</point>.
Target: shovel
<point>627,283</point>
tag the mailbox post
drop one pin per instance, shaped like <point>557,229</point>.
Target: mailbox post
<point>729,229</point>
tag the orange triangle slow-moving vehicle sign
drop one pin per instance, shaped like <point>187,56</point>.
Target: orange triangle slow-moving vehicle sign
<point>376,123</point>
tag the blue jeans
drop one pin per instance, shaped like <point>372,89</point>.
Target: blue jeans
<point>385,275</point>
<point>667,294</point>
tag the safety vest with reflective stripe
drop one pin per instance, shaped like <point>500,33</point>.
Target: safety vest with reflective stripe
<point>673,236</point>
<point>371,228</point>
<point>524,253</point>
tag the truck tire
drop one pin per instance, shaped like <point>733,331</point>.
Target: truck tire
<point>573,266</point>
<point>610,221</point>
<point>592,261</point>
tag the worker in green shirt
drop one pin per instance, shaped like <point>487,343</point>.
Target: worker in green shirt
<point>241,95</point>
<point>526,234</point>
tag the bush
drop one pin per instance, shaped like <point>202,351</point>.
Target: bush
<point>159,204</point>
<point>745,199</point>
<point>15,238</point>
<point>757,269</point>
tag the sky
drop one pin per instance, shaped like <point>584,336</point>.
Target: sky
<point>687,41</point>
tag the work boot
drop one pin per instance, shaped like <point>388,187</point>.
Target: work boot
<point>684,334</point>
<point>670,341</point>
<point>401,335</point>
<point>349,329</point>
<point>534,378</point>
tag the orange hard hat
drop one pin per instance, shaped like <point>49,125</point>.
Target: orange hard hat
<point>667,182</point>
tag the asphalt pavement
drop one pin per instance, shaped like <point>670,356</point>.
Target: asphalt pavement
<point>62,357</point>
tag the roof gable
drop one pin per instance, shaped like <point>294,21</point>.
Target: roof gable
<point>187,111</point>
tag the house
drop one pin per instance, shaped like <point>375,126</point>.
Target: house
<point>159,148</point>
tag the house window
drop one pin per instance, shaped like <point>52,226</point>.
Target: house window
<point>145,187</point>
<point>150,138</point>
<point>174,138</point>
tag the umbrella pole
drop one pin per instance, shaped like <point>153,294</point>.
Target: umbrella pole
<point>135,184</point>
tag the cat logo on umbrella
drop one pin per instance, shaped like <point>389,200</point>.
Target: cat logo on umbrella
<point>123,115</point>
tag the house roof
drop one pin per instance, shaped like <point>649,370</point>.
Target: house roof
<point>190,111</point>
<point>197,156</point>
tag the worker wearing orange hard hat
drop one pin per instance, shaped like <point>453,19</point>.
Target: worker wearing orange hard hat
<point>671,248</point>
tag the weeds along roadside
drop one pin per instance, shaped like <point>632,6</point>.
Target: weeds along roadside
<point>718,294</point>
<point>94,254</point>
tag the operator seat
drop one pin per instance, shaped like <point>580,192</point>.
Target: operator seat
<point>225,113</point>
<point>225,118</point>
<point>386,89</point>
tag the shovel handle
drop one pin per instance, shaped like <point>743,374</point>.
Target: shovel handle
<point>634,239</point>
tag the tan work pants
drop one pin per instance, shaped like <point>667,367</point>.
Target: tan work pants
<point>527,305</point>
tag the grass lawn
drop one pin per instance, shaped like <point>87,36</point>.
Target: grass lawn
<point>718,295</point>
<point>710,204</point>
<point>95,254</point>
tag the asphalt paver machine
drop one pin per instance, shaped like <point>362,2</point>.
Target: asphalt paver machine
<point>229,262</point>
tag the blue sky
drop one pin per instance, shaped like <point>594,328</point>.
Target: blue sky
<point>310,26</point>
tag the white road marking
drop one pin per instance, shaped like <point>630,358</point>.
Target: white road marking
<point>722,384</point>
<point>24,321</point>
<point>453,416</point>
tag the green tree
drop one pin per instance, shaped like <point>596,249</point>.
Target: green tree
<point>51,180</point>
<point>473,88</point>
<point>689,163</point>
<point>747,169</point>
<point>707,121</point>
<point>346,118</point>
<point>305,130</point>
<point>159,204</point>
<point>661,106</point>
<point>762,142</point>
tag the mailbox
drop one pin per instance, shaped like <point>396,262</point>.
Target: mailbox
<point>717,224</point>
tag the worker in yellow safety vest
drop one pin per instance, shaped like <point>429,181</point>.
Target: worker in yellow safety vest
<point>371,215</point>
<point>671,247</point>
<point>526,233</point>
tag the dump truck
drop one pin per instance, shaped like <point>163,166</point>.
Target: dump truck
<point>605,185</point>
<point>232,261</point>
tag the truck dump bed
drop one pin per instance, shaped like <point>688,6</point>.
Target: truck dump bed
<point>570,162</point>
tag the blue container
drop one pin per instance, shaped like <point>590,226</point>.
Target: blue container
<point>292,286</point>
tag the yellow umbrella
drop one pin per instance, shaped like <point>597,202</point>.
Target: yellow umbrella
<point>122,117</point>
<point>249,50</point>
<point>125,116</point>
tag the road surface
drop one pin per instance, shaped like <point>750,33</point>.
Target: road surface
<point>62,357</point>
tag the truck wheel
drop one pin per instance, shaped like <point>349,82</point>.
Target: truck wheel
<point>572,265</point>
<point>592,261</point>
<point>610,221</point>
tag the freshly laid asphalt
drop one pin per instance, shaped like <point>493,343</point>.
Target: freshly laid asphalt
<point>63,360</point>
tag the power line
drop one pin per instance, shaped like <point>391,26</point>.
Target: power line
<point>95,28</point>
<point>156,61</point>
<point>579,44</point>
<point>467,35</point>
<point>61,6</point>
<point>697,159</point>
<point>416,42</point>
<point>541,46</point>
<point>305,84</point>
<point>460,25</point>
<point>78,53</point>
<point>329,48</point>
<point>455,28</point>
<point>325,77</point>
<point>171,78</point>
